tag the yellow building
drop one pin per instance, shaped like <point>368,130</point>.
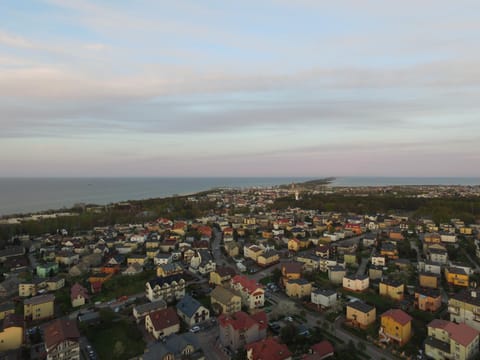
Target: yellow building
<point>39,307</point>
<point>456,276</point>
<point>252,252</point>
<point>6,308</point>
<point>429,280</point>
<point>465,230</point>
<point>136,259</point>
<point>448,340</point>
<point>392,289</point>
<point>268,258</point>
<point>298,288</point>
<point>360,314</point>
<point>396,326</point>
<point>232,248</point>
<point>151,253</point>
<point>11,337</point>
<point>169,269</point>
<point>298,244</point>
<point>225,301</point>
<point>291,270</point>
<point>55,283</point>
<point>464,307</point>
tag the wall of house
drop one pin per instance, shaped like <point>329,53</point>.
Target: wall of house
<point>11,338</point>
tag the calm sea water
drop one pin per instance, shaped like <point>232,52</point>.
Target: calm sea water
<point>23,195</point>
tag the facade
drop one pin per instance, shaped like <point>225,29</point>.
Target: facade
<point>225,301</point>
<point>291,270</point>
<point>268,349</point>
<point>6,308</point>
<point>78,295</point>
<point>191,311</point>
<point>378,260</point>
<point>140,311</point>
<point>456,276</point>
<point>55,283</point>
<point>175,347</point>
<point>11,336</point>
<point>324,297</point>
<point>360,314</point>
<point>336,274</point>
<point>39,307</point>
<point>392,289</point>
<point>429,280</point>
<point>222,275</point>
<point>447,340</point>
<point>268,258</point>
<point>464,307</point>
<point>62,340</point>
<point>427,299</point>
<point>252,293</point>
<point>252,252</point>
<point>396,326</point>
<point>356,282</point>
<point>47,270</point>
<point>162,323</point>
<point>240,328</point>
<point>168,288</point>
<point>298,288</point>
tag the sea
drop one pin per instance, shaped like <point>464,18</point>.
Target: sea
<point>29,195</point>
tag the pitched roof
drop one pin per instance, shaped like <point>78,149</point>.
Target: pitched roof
<point>249,285</point>
<point>292,267</point>
<point>59,331</point>
<point>323,348</point>
<point>268,349</point>
<point>39,299</point>
<point>222,295</point>
<point>460,333</point>
<point>13,320</point>
<point>225,271</point>
<point>151,306</point>
<point>398,316</point>
<point>243,321</point>
<point>360,306</point>
<point>188,305</point>
<point>78,290</point>
<point>164,318</point>
<point>174,344</point>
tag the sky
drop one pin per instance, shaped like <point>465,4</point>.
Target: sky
<point>239,88</point>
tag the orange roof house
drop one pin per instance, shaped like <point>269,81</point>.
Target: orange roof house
<point>396,325</point>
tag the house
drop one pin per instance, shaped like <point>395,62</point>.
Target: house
<point>298,288</point>
<point>240,328</point>
<point>356,282</point>
<point>456,276</point>
<point>325,264</point>
<point>6,308</point>
<point>297,244</point>
<point>448,340</point>
<point>360,314</point>
<point>252,293</point>
<point>378,260</point>
<point>396,235</point>
<point>47,269</point>
<point>389,250</point>
<point>252,252</point>
<point>396,326</point>
<point>168,288</point>
<point>175,347</point>
<point>446,237</point>
<point>268,257</point>
<point>464,307</point>
<point>162,323</point>
<point>324,298</point>
<point>268,349</point>
<point>202,262</point>
<point>133,269</point>
<point>429,280</point>
<point>311,262</point>
<point>62,340</point>
<point>427,299</point>
<point>391,288</point>
<point>170,269</point>
<point>225,301</point>
<point>55,283</point>
<point>137,259</point>
<point>191,311</point>
<point>39,307</point>
<point>322,251</point>
<point>430,267</point>
<point>78,295</point>
<point>222,275</point>
<point>12,332</point>
<point>291,270</point>
<point>322,350</point>
<point>140,311</point>
<point>162,258</point>
<point>99,278</point>
<point>9,287</point>
<point>336,274</point>
<point>67,258</point>
<point>439,256</point>
<point>232,248</point>
<point>31,288</point>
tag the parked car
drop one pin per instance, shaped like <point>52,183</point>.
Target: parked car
<point>195,329</point>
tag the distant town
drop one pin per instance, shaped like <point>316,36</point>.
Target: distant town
<point>301,271</point>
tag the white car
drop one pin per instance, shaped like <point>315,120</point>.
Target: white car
<point>195,329</point>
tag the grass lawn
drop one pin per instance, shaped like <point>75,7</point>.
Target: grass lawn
<point>116,339</point>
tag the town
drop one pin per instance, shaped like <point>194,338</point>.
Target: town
<point>257,273</point>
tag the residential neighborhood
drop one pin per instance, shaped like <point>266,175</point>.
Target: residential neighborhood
<point>246,280</point>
